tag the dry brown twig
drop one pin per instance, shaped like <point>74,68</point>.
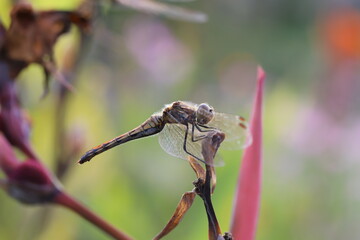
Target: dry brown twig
<point>204,187</point>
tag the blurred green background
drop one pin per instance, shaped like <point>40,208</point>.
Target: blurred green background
<point>138,62</point>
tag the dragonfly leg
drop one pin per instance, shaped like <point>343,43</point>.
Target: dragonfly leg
<point>193,134</point>
<point>208,129</point>
<point>184,146</point>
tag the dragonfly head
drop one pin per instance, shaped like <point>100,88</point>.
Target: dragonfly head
<point>204,113</point>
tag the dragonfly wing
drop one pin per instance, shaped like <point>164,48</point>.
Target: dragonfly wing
<point>171,140</point>
<point>236,129</point>
<point>172,137</point>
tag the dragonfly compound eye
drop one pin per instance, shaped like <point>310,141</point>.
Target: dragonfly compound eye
<point>204,113</point>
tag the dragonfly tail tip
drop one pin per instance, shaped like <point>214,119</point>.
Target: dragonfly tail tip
<point>83,160</point>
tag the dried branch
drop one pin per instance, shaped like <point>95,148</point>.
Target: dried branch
<point>210,146</point>
<point>202,188</point>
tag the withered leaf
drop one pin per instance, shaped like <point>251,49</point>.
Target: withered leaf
<point>198,169</point>
<point>211,144</point>
<point>32,34</point>
<point>185,203</point>
<point>213,179</point>
<point>209,148</point>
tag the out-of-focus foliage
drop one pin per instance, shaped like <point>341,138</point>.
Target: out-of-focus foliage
<point>138,62</point>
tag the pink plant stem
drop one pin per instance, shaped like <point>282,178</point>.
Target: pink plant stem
<point>8,160</point>
<point>69,202</point>
<point>247,199</point>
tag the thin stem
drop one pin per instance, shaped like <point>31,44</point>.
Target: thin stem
<point>210,146</point>
<point>214,228</point>
<point>69,202</point>
<point>61,159</point>
<point>62,153</point>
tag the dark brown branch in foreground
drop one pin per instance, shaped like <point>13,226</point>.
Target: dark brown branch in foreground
<point>203,188</point>
<point>209,148</point>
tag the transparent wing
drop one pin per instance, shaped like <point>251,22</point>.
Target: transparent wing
<point>172,137</point>
<point>236,129</point>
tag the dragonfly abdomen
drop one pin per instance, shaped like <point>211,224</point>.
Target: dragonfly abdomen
<point>151,126</point>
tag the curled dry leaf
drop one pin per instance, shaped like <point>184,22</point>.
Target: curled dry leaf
<point>209,148</point>
<point>198,169</point>
<point>202,188</point>
<point>32,35</point>
<point>211,144</point>
<point>183,206</point>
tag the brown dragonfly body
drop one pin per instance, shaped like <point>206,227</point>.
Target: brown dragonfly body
<point>176,113</point>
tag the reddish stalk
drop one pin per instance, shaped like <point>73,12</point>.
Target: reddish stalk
<point>69,202</point>
<point>247,198</point>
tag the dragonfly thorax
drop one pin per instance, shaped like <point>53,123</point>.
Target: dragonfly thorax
<point>204,113</point>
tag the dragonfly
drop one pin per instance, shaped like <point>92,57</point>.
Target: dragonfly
<point>181,127</point>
